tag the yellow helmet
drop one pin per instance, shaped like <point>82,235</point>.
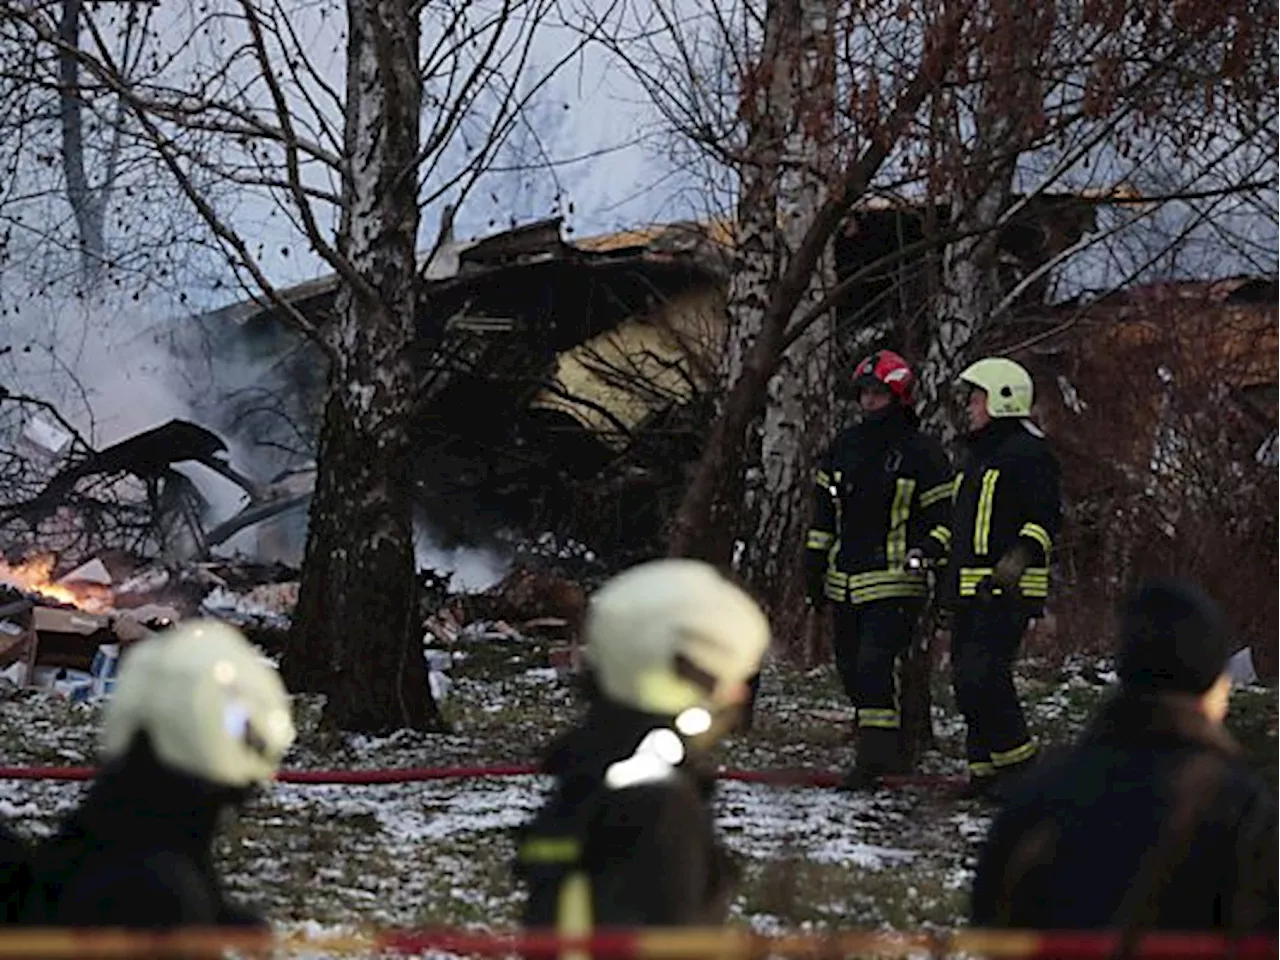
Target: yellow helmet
<point>670,635</point>
<point>211,705</point>
<point>1007,384</point>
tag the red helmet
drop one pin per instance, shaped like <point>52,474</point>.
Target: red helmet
<point>886,369</point>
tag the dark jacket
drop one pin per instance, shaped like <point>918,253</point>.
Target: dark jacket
<point>15,861</point>
<point>138,852</point>
<point>1007,494</point>
<point>1155,800</point>
<point>648,850</point>
<point>879,489</point>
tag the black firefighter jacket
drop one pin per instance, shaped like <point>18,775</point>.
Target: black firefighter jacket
<point>879,489</point>
<point>638,855</point>
<point>138,852</point>
<point>1154,802</point>
<point>1007,493</point>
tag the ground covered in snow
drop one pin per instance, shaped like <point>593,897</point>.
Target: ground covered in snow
<point>439,852</point>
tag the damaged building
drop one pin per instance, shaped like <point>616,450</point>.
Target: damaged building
<point>573,384</point>
<point>1161,400</point>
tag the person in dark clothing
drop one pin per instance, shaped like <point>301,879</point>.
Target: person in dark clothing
<point>1152,821</point>
<point>626,838</point>
<point>15,866</point>
<point>881,487</point>
<point>197,720</point>
<point>1005,513</point>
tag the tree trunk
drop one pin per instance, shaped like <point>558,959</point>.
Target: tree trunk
<point>983,169</point>
<point>738,489</point>
<point>798,417</point>
<point>357,635</point>
<point>86,204</point>
<point>694,521</point>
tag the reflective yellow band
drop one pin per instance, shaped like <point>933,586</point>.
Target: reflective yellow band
<point>895,545</point>
<point>880,719</point>
<point>823,479</point>
<point>573,912</point>
<point>1039,534</point>
<point>942,491</point>
<point>979,768</point>
<point>820,540</point>
<point>871,578</point>
<point>876,585</point>
<point>982,522</point>
<point>901,591</point>
<point>1008,758</point>
<point>550,850</point>
<point>942,535</point>
<point>1034,583</point>
<point>955,485</point>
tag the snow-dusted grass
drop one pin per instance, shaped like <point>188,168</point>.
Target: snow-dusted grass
<point>439,852</point>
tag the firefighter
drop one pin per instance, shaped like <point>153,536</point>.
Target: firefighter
<point>1153,820</point>
<point>626,838</point>
<point>881,487</point>
<point>1005,514</point>
<point>197,720</point>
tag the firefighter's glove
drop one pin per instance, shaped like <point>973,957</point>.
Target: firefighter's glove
<point>1010,568</point>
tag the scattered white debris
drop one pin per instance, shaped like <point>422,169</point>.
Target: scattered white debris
<point>44,438</point>
<point>144,581</point>
<point>268,602</point>
<point>1240,668</point>
<point>93,571</point>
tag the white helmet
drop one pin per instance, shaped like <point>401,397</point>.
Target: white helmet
<point>669,635</point>
<point>212,706</point>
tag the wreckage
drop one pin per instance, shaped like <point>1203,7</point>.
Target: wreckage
<point>87,498</point>
<point>574,380</point>
<point>570,389</point>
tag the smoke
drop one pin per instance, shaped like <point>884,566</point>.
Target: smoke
<point>105,365</point>
<point>471,568</point>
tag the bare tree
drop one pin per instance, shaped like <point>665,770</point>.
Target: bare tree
<point>1084,98</point>
<point>975,113</point>
<point>70,158</point>
<point>350,171</point>
<point>888,66</point>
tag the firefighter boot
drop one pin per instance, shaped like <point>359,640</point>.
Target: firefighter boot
<point>879,754</point>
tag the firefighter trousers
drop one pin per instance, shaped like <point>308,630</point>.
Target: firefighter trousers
<point>870,640</point>
<point>985,638</point>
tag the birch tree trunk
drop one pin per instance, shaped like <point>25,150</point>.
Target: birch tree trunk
<point>982,183</point>
<point>357,635</point>
<point>737,501</point>
<point>746,400</point>
<point>798,417</point>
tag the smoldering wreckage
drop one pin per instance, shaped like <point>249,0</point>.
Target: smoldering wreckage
<point>66,631</point>
<point>569,391</point>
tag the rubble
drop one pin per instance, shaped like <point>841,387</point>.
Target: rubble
<point>68,633</point>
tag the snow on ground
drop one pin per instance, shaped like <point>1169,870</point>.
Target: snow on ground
<point>326,858</point>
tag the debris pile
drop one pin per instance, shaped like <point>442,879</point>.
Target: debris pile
<point>67,632</point>
<point>526,606</point>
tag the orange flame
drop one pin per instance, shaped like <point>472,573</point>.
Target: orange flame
<point>36,576</point>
